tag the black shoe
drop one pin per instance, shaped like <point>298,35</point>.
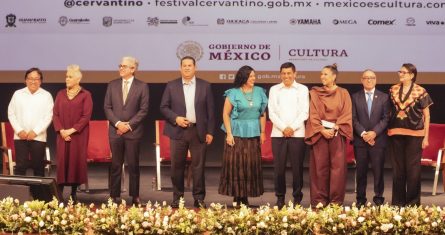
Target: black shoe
<point>175,204</point>
<point>244,200</point>
<point>74,199</point>
<point>136,201</point>
<point>297,201</point>
<point>199,204</point>
<point>115,200</point>
<point>379,201</point>
<point>280,202</point>
<point>360,204</point>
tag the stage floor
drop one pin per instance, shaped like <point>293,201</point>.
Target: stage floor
<point>99,193</point>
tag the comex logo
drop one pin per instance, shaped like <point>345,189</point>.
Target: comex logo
<point>10,20</point>
<point>69,3</point>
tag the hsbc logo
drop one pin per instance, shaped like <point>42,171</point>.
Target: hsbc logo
<point>381,22</point>
<point>343,21</point>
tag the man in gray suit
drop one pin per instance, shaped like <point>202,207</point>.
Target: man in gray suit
<point>126,105</point>
<point>370,116</point>
<point>187,104</point>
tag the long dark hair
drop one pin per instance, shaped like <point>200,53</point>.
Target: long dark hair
<point>242,75</point>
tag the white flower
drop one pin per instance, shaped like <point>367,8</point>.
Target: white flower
<point>41,223</point>
<point>28,219</point>
<point>61,205</point>
<point>434,224</point>
<point>397,218</point>
<point>43,213</point>
<point>342,216</point>
<point>361,219</point>
<point>426,220</point>
<point>408,224</point>
<point>146,214</point>
<point>285,219</point>
<point>63,222</point>
<point>145,224</point>
<point>284,232</point>
<point>347,209</point>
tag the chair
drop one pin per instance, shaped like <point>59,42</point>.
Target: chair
<point>432,156</point>
<point>163,154</point>
<point>98,150</point>
<point>9,151</point>
<point>266,148</point>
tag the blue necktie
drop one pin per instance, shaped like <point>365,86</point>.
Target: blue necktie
<point>369,102</point>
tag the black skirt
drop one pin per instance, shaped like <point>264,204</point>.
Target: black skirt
<point>242,174</point>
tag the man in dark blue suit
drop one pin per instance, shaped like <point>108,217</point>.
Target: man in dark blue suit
<point>187,105</point>
<point>370,116</point>
<point>125,106</point>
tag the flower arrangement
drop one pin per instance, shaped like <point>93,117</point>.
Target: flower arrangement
<point>155,218</point>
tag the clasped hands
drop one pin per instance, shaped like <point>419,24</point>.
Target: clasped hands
<point>66,133</point>
<point>23,135</point>
<point>329,133</point>
<point>122,128</point>
<point>369,137</point>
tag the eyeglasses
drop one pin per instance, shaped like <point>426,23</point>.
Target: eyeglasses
<point>122,66</point>
<point>368,78</point>
<point>403,72</point>
<point>33,79</point>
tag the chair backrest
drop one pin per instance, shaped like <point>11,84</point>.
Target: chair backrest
<point>266,148</point>
<point>98,142</point>
<point>436,140</point>
<point>8,137</point>
<point>162,140</point>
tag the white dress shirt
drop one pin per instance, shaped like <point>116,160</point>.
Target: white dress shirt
<point>31,112</point>
<point>189,95</point>
<point>372,94</point>
<point>288,107</point>
<point>130,81</point>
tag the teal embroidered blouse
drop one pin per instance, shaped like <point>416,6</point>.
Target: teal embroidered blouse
<point>246,111</point>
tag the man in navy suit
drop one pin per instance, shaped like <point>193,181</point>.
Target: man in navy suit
<point>126,106</point>
<point>187,104</point>
<point>370,116</point>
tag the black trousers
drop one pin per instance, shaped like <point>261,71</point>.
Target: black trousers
<point>406,152</point>
<point>29,154</point>
<point>375,156</point>
<point>294,149</point>
<point>178,150</point>
<point>128,150</point>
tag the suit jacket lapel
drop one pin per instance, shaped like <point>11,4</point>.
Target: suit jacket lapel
<point>181,94</point>
<point>364,102</point>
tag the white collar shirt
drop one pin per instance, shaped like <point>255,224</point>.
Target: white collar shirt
<point>189,96</point>
<point>288,107</point>
<point>31,112</point>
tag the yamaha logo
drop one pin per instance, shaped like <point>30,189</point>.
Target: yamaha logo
<point>190,48</point>
<point>305,21</point>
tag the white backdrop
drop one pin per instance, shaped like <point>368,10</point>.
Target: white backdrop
<point>53,33</point>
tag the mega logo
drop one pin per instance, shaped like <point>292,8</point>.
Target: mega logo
<point>337,21</point>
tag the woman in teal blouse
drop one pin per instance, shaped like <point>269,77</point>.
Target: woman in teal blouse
<point>244,123</point>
